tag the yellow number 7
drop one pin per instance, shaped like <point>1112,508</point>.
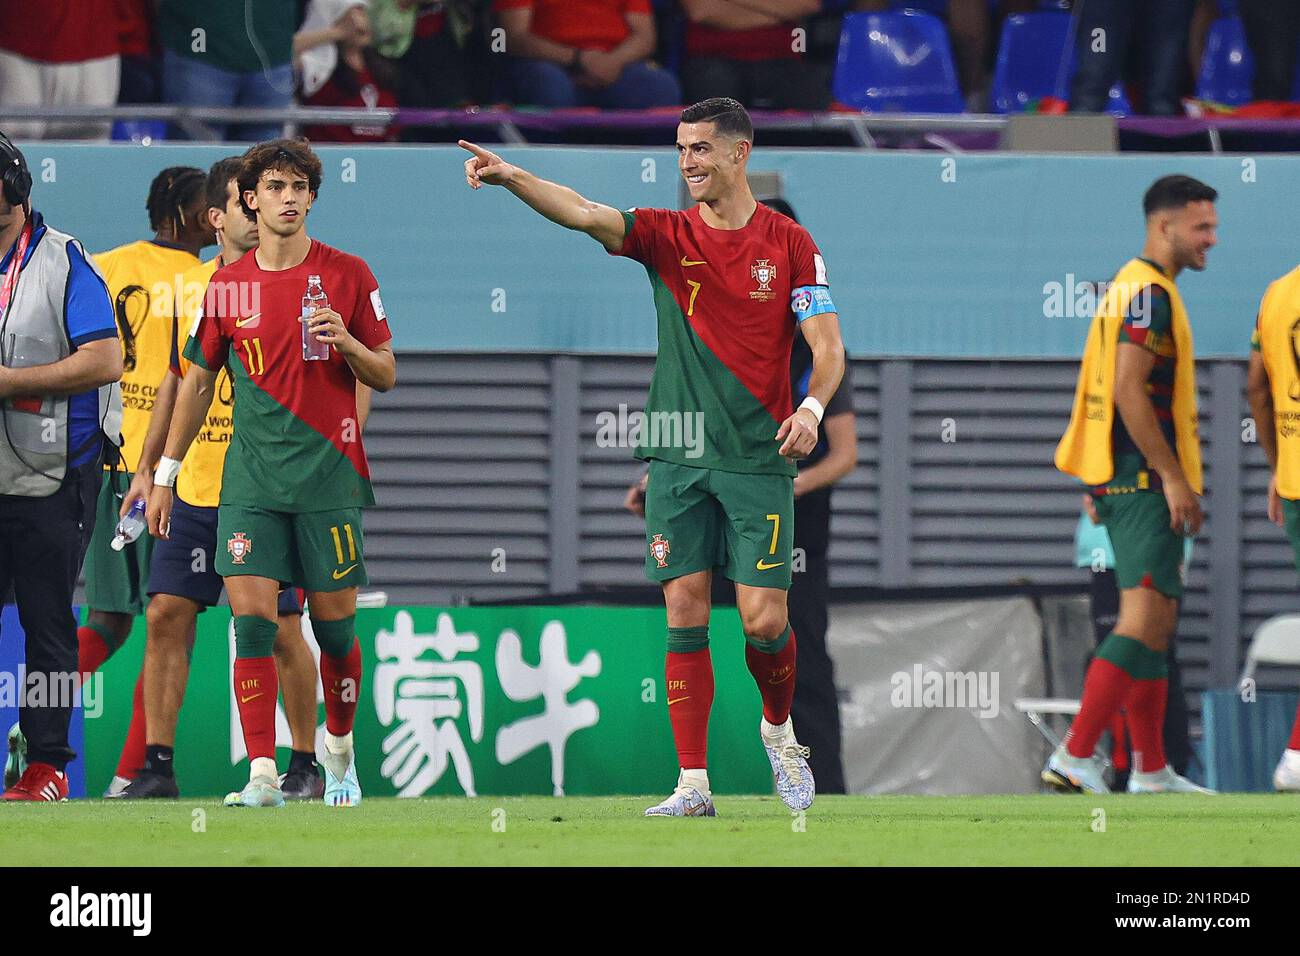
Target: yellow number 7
<point>776,529</point>
<point>695,290</point>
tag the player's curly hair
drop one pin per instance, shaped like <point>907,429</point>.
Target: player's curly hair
<point>281,155</point>
<point>170,192</point>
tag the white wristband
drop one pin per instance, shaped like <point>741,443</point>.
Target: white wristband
<point>166,472</point>
<point>813,406</point>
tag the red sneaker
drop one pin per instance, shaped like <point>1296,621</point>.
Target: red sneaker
<point>40,781</point>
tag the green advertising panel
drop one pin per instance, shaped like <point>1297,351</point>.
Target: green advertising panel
<point>487,701</point>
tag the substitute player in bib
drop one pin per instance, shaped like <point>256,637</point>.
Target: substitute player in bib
<point>183,578</point>
<point>1133,438</point>
<point>1273,386</point>
<point>296,476</point>
<point>141,277</point>
<point>731,278</point>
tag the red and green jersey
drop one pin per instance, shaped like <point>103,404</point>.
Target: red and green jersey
<point>297,443</point>
<point>727,302</point>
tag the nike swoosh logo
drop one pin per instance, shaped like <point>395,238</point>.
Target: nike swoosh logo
<point>245,700</point>
<point>677,700</point>
<point>781,680</point>
<point>763,566</point>
<point>340,575</point>
<point>240,323</point>
<point>688,262</point>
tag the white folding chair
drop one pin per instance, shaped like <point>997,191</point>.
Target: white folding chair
<point>1038,708</point>
<point>1276,641</point>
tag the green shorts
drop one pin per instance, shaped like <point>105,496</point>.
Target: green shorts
<point>116,581</point>
<point>700,518</point>
<point>316,550</point>
<point>1291,522</point>
<point>1147,553</point>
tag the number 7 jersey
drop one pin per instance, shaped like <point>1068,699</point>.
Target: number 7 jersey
<point>727,302</point>
<point>296,445</point>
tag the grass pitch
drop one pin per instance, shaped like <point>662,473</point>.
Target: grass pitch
<point>1173,830</point>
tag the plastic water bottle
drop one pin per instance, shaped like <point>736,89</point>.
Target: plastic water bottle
<point>130,527</point>
<point>313,349</point>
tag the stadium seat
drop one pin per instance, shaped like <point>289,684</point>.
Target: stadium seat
<point>1227,68</point>
<point>896,62</point>
<point>139,131</point>
<point>1029,63</point>
<point>936,8</point>
<point>1276,641</point>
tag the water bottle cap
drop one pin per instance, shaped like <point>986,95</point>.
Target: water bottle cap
<point>118,542</point>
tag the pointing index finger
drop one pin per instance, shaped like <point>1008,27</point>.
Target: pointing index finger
<point>478,151</point>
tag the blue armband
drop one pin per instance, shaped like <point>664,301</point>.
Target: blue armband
<point>809,300</point>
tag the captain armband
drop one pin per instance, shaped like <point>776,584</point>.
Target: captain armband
<point>809,300</point>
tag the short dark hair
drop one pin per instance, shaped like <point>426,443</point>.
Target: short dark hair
<point>1175,192</point>
<point>728,117</point>
<point>170,192</point>
<point>219,176</point>
<point>281,155</point>
<point>777,204</point>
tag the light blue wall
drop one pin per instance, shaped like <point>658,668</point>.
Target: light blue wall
<point>919,265</point>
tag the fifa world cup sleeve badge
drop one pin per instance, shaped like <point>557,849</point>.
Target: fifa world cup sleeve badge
<point>239,546</point>
<point>659,549</point>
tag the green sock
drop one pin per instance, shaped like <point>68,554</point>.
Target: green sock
<point>684,640</point>
<point>770,647</point>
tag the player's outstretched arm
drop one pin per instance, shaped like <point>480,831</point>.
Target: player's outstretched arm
<point>193,398</point>
<point>560,204</point>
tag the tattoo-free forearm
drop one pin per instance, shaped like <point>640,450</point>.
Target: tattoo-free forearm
<point>160,420</point>
<point>193,398</point>
<point>374,368</point>
<point>1139,417</point>
<point>92,365</point>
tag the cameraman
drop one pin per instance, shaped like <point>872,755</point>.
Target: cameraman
<point>59,364</point>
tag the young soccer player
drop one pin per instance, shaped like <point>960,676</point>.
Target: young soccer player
<point>1273,386</point>
<point>296,476</point>
<point>1133,438</point>
<point>140,276</point>
<point>183,579</point>
<point>731,278</point>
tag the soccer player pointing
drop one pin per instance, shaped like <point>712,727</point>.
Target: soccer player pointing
<point>731,278</point>
<point>296,476</point>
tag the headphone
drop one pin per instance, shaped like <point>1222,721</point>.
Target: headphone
<point>15,179</point>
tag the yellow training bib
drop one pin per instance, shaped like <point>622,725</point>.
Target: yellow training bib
<point>1279,346</point>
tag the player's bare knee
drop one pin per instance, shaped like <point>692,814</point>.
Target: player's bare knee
<point>764,625</point>
<point>168,620</point>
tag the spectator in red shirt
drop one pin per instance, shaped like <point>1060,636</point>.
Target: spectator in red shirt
<point>584,53</point>
<point>338,67</point>
<point>58,53</point>
<point>749,53</point>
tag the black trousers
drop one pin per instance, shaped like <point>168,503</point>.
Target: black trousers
<point>42,543</point>
<point>1272,31</point>
<point>1104,602</point>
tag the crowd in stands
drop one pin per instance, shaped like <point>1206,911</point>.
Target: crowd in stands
<point>606,54</point>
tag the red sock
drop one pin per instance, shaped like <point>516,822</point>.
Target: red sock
<point>1294,744</point>
<point>774,674</point>
<point>1146,722</point>
<point>91,650</point>
<point>1118,742</point>
<point>340,695</point>
<point>1104,689</point>
<point>690,698</point>
<point>132,759</point>
<point>255,691</point>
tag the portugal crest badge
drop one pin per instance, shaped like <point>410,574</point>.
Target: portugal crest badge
<point>764,273</point>
<point>659,549</point>
<point>239,547</point>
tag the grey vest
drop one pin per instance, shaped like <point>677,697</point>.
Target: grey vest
<point>34,446</point>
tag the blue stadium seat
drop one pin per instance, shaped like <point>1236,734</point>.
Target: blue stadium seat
<point>896,62</point>
<point>936,8</point>
<point>138,131</point>
<point>1227,67</point>
<point>1029,63</point>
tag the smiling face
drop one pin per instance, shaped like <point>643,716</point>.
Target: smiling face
<point>1192,233</point>
<point>712,164</point>
<point>281,200</point>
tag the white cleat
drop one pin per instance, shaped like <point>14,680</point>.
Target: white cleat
<point>684,802</point>
<point>1286,778</point>
<point>342,789</point>
<point>1071,774</point>
<point>115,787</point>
<point>1163,780</point>
<point>789,760</point>
<point>260,791</point>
